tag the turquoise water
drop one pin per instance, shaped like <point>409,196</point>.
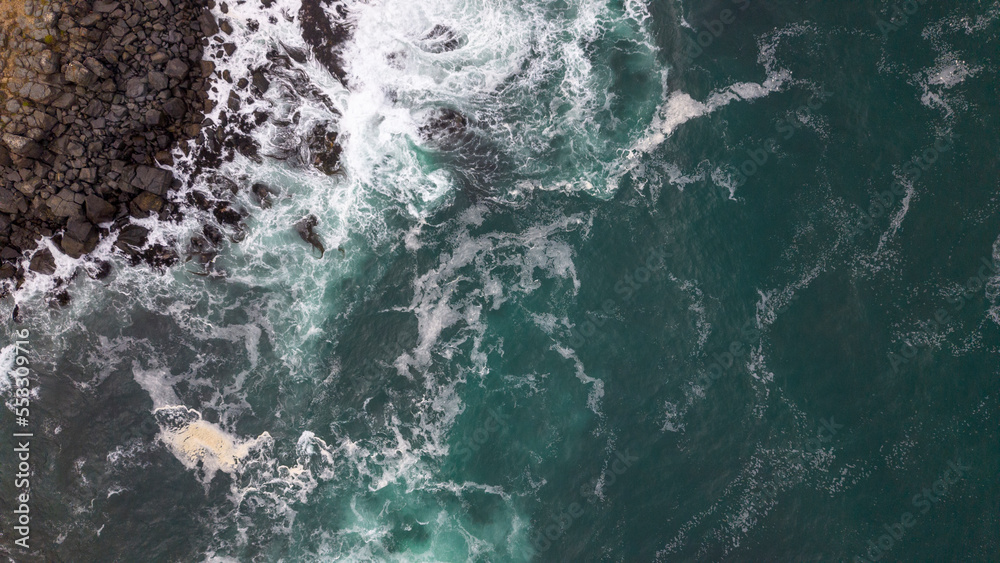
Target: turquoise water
<point>661,303</point>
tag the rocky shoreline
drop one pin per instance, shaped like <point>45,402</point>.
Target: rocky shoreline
<point>93,99</point>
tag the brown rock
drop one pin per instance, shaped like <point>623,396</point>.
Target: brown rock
<point>98,210</point>
<point>145,203</point>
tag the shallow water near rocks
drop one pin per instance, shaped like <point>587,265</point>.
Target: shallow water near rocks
<point>643,303</point>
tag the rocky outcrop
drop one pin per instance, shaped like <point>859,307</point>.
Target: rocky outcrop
<point>93,98</point>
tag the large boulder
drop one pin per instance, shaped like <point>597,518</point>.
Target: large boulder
<point>79,238</point>
<point>22,146</point>
<point>12,202</point>
<point>63,205</point>
<point>43,262</point>
<point>77,73</point>
<point>153,180</point>
<point>98,210</point>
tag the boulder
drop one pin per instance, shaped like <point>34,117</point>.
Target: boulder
<point>175,108</point>
<point>152,179</point>
<point>145,203</point>
<point>22,146</point>
<point>98,210</point>
<point>77,73</point>
<point>62,204</point>
<point>43,262</point>
<point>176,68</point>
<point>11,202</point>
<point>158,81</point>
<point>131,239</point>
<point>79,238</point>
<point>135,87</point>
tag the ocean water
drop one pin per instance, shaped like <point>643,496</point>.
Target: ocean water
<point>697,281</point>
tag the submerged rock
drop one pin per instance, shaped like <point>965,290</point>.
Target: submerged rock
<point>305,230</point>
<point>326,35</point>
<point>441,39</point>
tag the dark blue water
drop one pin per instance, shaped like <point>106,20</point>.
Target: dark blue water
<point>697,281</point>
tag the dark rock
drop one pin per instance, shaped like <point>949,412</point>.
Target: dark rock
<point>176,68</point>
<point>5,160</point>
<point>324,149</point>
<point>263,194</point>
<point>326,31</point>
<point>79,238</point>
<point>175,108</point>
<point>152,179</point>
<point>78,73</point>
<point>443,124</point>
<point>43,262</point>
<point>158,81</point>
<point>226,27</point>
<point>63,204</point>
<point>131,239</point>
<point>153,118</point>
<point>48,62</point>
<point>226,213</point>
<point>135,88</point>
<point>305,230</point>
<point>207,23</point>
<point>145,203</point>
<point>12,202</point>
<point>260,82</point>
<point>64,101</point>
<point>97,68</point>
<point>441,39</point>
<point>98,210</point>
<point>22,146</point>
<point>99,269</point>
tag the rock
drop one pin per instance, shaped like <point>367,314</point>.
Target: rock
<point>176,68</point>
<point>105,7</point>
<point>444,124</point>
<point>145,203</point>
<point>41,93</point>
<point>158,81</point>
<point>229,48</point>
<point>63,204</point>
<point>305,230</point>
<point>135,88</point>
<point>22,146</point>
<point>441,39</point>
<point>97,68</point>
<point>153,118</point>
<point>263,194</point>
<point>226,27</point>
<point>76,72</point>
<point>152,179</point>
<point>131,239</point>
<point>234,101</point>
<point>43,262</point>
<point>64,101</point>
<point>48,62</point>
<point>88,175</point>
<point>207,23</point>
<point>12,202</point>
<point>98,210</point>
<point>260,82</point>
<point>79,238</point>
<point>175,108</point>
<point>5,160</point>
<point>159,58</point>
